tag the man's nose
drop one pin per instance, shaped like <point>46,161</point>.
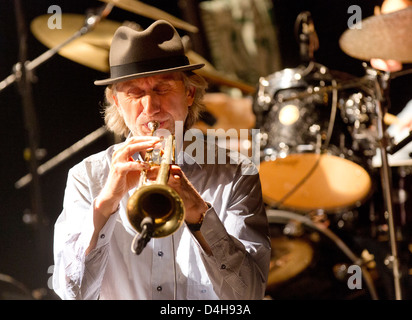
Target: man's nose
<point>150,104</point>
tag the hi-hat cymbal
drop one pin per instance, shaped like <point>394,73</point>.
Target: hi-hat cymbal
<point>385,36</point>
<point>91,49</point>
<point>145,10</point>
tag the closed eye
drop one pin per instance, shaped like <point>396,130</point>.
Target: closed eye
<point>162,89</point>
<point>135,94</point>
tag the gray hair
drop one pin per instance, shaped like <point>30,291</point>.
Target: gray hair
<point>115,122</point>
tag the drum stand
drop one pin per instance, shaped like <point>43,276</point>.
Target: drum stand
<point>380,81</point>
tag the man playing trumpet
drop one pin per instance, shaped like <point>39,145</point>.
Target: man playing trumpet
<point>221,251</point>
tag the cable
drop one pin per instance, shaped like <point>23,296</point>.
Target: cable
<point>339,243</point>
<point>324,147</point>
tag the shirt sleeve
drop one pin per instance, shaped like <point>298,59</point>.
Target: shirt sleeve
<point>77,276</point>
<point>239,264</point>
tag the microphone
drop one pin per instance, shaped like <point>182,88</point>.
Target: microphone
<point>306,34</point>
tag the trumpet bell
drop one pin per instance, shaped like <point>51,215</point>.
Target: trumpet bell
<point>159,202</point>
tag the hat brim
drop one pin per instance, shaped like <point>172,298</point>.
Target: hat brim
<point>147,74</point>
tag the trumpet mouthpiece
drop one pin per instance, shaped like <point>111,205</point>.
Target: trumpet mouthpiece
<point>153,125</point>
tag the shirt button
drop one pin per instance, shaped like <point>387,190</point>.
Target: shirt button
<point>102,236</point>
<point>160,253</point>
<point>159,288</point>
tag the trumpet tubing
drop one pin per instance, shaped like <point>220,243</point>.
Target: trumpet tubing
<point>155,199</point>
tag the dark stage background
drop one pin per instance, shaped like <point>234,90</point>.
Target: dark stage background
<point>67,106</point>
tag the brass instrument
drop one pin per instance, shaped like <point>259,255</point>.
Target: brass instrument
<point>155,209</point>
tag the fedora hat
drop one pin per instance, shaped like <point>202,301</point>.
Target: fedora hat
<point>155,50</point>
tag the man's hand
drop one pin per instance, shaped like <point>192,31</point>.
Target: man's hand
<point>124,173</point>
<point>195,206</point>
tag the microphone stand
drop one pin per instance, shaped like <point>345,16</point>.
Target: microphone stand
<point>23,78</point>
<point>381,84</point>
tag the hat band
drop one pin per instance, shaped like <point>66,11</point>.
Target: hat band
<point>148,65</point>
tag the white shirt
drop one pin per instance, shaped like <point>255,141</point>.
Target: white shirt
<point>173,267</point>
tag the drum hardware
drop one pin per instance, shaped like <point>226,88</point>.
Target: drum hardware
<point>23,76</point>
<point>90,21</point>
<point>381,81</point>
<point>293,228</point>
<point>341,270</point>
<point>364,261</point>
<point>403,195</point>
<point>395,148</point>
<point>346,84</point>
<point>62,156</point>
<point>301,158</point>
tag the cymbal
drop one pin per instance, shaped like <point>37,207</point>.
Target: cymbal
<point>289,258</point>
<point>210,73</point>
<point>230,113</point>
<point>91,49</point>
<point>385,36</point>
<point>145,10</point>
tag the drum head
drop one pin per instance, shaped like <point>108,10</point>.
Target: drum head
<point>306,182</point>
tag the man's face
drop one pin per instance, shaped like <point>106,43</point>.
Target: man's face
<point>163,98</point>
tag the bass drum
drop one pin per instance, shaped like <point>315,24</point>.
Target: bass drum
<point>307,162</point>
<point>310,262</point>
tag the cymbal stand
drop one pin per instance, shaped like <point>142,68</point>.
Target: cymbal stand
<point>23,73</point>
<point>23,76</point>
<point>381,83</point>
<point>93,17</point>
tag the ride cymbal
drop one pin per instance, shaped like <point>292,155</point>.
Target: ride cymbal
<point>385,36</point>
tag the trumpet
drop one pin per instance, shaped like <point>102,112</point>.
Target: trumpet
<point>155,209</point>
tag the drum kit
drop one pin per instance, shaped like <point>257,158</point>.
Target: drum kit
<point>323,135</point>
<point>322,132</point>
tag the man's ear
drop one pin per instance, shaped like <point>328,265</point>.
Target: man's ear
<point>116,102</point>
<point>191,95</point>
